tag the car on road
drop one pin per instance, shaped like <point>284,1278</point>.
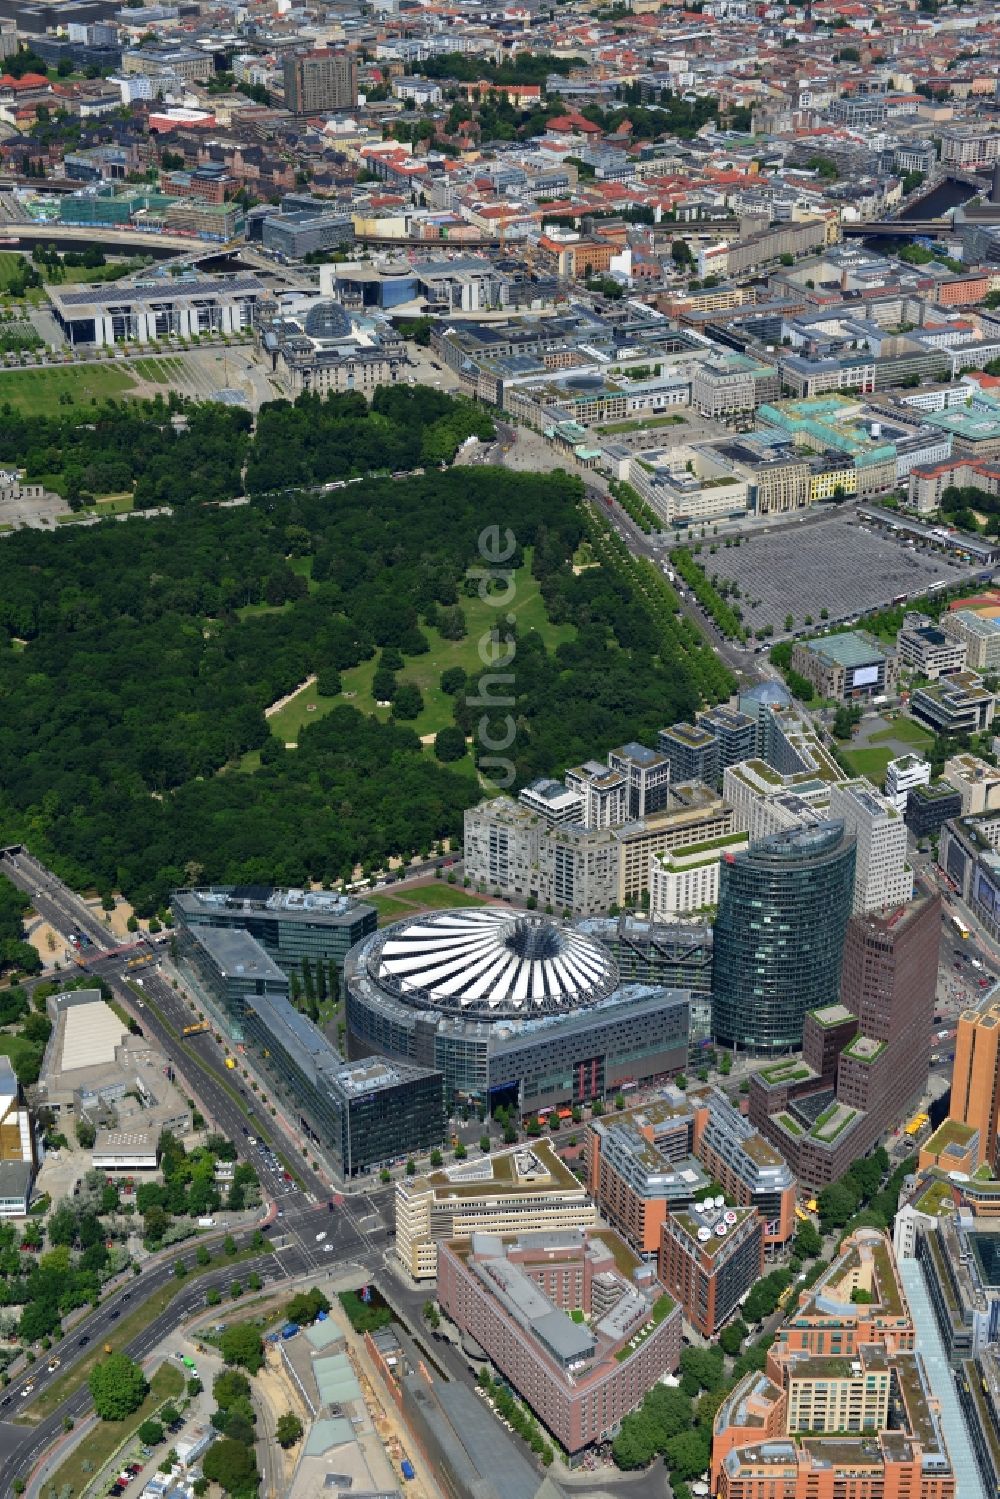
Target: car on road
<point>27,1390</point>
<point>320,1237</point>
<point>82,1342</point>
<point>53,1364</point>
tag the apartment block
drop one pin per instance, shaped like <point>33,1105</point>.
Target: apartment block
<point>513,849</point>
<point>647,776</point>
<point>640,1168</point>
<point>831,1395</point>
<point>20,1147</point>
<point>693,752</point>
<point>979,635</point>
<point>319,81</point>
<point>685,880</point>
<point>745,1164</point>
<point>710,1257</point>
<point>976,781</point>
<point>579,1374</point>
<point>528,1188</point>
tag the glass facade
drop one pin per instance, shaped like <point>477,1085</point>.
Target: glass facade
<point>784,905</point>
<point>363,1114</point>
<point>290,925</point>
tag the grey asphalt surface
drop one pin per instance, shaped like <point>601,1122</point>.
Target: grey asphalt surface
<point>355,1233</point>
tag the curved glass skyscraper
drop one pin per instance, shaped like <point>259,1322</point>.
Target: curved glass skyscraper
<point>784,905</point>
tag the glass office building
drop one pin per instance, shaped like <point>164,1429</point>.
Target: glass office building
<point>784,905</point>
<point>363,1114</point>
<point>290,925</point>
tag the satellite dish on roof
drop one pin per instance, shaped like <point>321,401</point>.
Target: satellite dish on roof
<point>720,1202</point>
<point>704,1233</point>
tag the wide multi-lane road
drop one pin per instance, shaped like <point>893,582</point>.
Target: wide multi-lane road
<point>303,1235</point>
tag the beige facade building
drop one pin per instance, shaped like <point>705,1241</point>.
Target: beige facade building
<point>686,879</point>
<point>527,1188</point>
<point>584,871</point>
<point>827,1394</point>
<point>977,782</point>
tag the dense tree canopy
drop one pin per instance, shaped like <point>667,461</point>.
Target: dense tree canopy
<point>118,1387</point>
<point>15,952</point>
<point>140,675</point>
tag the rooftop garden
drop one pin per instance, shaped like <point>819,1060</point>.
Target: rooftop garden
<point>661,1307</point>
<point>950,1134</point>
<point>864,1049</point>
<point>832,1122</point>
<point>791,1071</point>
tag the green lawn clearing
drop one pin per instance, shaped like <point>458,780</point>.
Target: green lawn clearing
<point>869,762</point>
<point>36,392</point>
<point>99,1445</point>
<point>116,504</point>
<point>436,897</point>
<point>425,671</point>
<point>11,266</point>
<point>674,420</point>
<point>904,731</point>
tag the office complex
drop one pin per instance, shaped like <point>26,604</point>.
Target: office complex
<point>975,1079</point>
<point>291,926</point>
<point>959,1257</point>
<point>844,1405</point>
<point>185,307</point>
<point>979,1397</point>
<point>675,954</point>
<point>515,1009</point>
<point>527,1187</point>
<point>363,1115</point>
<point>579,1374</point>
<point>846,667</point>
<point>318,81</point>
<point>745,1164</point>
<point>928,808</point>
<point>784,905</point>
<point>882,877</point>
<point>928,651</point>
<point>959,704</point>
<point>864,1058</point>
<point>710,1257</point>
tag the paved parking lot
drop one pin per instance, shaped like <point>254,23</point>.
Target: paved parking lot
<point>835,564</point>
